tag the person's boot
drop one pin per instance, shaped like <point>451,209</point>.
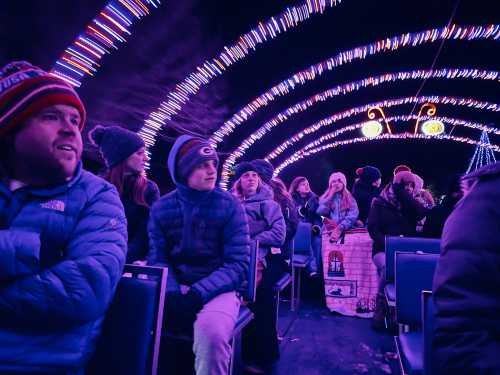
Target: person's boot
<point>378,320</point>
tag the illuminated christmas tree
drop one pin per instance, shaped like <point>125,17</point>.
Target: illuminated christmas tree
<point>482,154</point>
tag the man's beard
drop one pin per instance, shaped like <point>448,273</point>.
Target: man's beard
<point>50,172</point>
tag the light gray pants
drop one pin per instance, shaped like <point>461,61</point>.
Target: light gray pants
<point>213,330</point>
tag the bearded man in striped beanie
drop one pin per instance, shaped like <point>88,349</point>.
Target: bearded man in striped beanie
<point>31,100</point>
<point>63,232</point>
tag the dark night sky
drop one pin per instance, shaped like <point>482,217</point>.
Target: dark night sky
<point>169,43</point>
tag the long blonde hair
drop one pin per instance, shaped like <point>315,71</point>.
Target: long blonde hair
<point>346,198</point>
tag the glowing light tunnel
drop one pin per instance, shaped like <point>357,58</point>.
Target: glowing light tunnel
<point>445,100</point>
<point>332,135</point>
<point>345,89</point>
<point>455,32</point>
<point>209,69</point>
<point>112,25</point>
<point>405,136</point>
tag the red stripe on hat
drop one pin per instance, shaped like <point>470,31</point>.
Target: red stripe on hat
<point>188,146</point>
<point>39,91</point>
<point>33,89</point>
<point>37,82</point>
<point>42,103</point>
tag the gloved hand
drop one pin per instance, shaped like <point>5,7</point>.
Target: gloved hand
<point>181,311</point>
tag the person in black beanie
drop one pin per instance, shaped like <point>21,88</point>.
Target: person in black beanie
<point>366,187</point>
<point>281,196</point>
<point>124,154</point>
<point>260,346</point>
<point>264,168</point>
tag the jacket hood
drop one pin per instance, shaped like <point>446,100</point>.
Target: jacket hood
<point>264,193</point>
<point>172,157</point>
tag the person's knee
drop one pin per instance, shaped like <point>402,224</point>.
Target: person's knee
<point>213,332</point>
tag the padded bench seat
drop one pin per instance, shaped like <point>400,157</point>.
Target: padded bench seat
<point>411,345</point>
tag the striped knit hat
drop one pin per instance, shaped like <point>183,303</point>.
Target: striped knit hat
<point>191,154</point>
<point>26,89</point>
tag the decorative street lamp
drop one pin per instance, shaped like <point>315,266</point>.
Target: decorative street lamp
<point>371,129</point>
<point>432,127</point>
<point>371,116</point>
<point>431,111</point>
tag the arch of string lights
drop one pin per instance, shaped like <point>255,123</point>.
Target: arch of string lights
<point>455,32</point>
<point>445,73</point>
<point>109,27</point>
<point>386,136</point>
<point>467,102</point>
<point>209,69</point>
<point>327,137</point>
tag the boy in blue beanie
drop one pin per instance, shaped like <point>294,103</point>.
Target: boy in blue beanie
<point>200,233</point>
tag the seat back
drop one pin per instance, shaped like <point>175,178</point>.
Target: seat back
<point>130,339</point>
<point>410,245</point>
<point>302,240</point>
<point>428,329</point>
<point>414,273</point>
<point>249,291</point>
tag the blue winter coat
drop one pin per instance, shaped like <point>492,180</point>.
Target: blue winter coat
<point>265,220</point>
<point>201,236</point>
<point>62,252</point>
<point>466,288</point>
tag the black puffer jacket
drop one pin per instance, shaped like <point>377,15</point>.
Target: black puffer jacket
<point>137,222</point>
<point>307,207</point>
<point>364,194</point>
<point>466,288</point>
<point>386,220</point>
<point>291,218</point>
<point>433,226</point>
